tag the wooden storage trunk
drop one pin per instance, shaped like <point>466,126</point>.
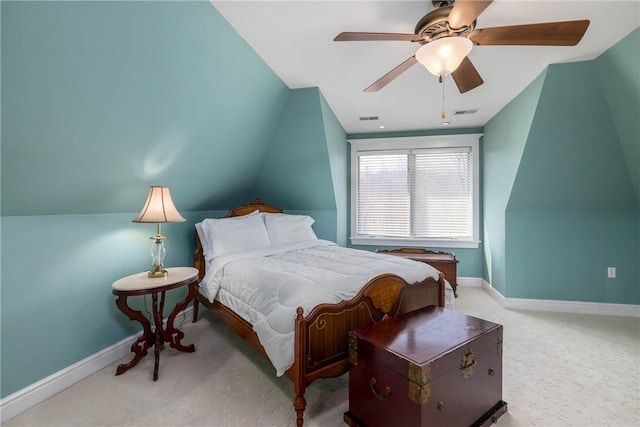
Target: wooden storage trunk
<point>445,262</point>
<point>429,367</point>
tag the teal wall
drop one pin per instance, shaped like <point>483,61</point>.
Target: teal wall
<point>339,161</point>
<point>305,168</point>
<point>560,202</point>
<point>564,255</point>
<point>618,72</point>
<point>504,140</point>
<point>103,99</point>
<point>57,271</point>
<point>99,101</point>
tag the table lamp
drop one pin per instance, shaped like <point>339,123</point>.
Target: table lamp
<point>158,208</point>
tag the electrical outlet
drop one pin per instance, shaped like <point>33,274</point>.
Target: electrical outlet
<point>611,272</point>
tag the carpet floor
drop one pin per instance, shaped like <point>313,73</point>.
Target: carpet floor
<point>559,370</point>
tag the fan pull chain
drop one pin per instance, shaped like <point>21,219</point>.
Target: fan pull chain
<point>444,113</point>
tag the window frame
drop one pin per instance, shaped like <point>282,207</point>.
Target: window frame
<point>416,143</point>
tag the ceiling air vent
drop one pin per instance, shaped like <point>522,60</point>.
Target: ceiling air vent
<point>366,118</point>
<point>463,112</point>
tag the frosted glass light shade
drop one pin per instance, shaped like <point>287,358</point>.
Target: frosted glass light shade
<point>441,57</point>
<point>159,207</point>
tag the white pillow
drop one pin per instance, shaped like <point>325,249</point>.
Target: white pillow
<point>284,228</point>
<point>236,234</point>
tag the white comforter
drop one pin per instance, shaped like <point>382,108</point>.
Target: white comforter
<point>271,283</point>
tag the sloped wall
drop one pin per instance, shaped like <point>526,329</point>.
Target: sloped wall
<point>297,172</point>
<point>505,137</point>
<point>99,101</point>
<point>618,72</point>
<point>571,210</point>
<point>339,162</point>
<point>103,99</point>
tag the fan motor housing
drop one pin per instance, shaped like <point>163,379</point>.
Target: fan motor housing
<point>434,25</point>
<point>442,3</point>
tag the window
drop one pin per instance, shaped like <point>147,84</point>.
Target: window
<point>418,191</point>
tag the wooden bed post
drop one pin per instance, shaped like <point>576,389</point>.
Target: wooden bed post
<point>441,289</point>
<point>299,380</point>
<point>198,262</point>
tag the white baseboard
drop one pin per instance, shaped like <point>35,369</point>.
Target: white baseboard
<point>475,282</point>
<point>38,392</point>
<point>576,307</point>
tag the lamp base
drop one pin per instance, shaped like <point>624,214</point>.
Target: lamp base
<point>158,272</point>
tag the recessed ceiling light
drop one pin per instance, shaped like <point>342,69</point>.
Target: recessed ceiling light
<point>381,127</point>
<point>446,123</point>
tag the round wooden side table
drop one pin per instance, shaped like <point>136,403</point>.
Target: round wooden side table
<point>141,284</point>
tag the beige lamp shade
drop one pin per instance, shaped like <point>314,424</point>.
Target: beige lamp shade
<point>159,207</point>
<point>441,57</point>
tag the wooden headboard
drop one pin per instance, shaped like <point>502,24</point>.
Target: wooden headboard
<point>254,205</point>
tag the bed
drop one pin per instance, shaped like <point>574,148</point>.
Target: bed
<point>318,333</point>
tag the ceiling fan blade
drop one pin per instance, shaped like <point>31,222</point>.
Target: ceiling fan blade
<point>358,37</point>
<point>387,78</point>
<point>564,33</point>
<point>466,76</point>
<point>464,12</point>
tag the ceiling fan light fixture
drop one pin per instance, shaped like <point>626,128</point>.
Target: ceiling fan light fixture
<point>441,57</point>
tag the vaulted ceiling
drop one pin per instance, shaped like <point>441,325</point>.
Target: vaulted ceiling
<point>295,38</point>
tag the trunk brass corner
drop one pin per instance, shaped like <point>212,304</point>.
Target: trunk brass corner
<point>419,374</point>
<point>419,383</point>
<point>419,394</point>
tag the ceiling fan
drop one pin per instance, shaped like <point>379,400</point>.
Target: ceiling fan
<point>448,33</point>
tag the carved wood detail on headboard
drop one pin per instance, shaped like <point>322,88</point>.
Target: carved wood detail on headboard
<point>254,205</point>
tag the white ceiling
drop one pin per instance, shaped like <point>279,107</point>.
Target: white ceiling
<point>295,38</point>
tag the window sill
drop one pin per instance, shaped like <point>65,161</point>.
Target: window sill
<point>385,241</point>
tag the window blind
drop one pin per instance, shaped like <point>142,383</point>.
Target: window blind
<point>383,201</point>
<point>425,193</point>
<point>443,194</point>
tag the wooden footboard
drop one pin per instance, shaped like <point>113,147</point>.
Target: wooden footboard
<point>326,328</point>
<point>321,343</point>
<point>322,336</point>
